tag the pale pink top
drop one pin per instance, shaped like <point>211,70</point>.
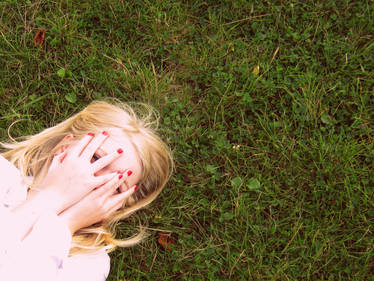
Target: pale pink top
<point>43,254</point>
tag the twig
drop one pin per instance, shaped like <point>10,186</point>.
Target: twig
<point>249,18</point>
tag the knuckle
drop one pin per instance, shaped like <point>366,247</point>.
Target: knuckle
<point>105,209</point>
<point>100,204</point>
<point>101,209</point>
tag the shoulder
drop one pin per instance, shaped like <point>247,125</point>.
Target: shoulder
<point>7,169</point>
<point>12,189</point>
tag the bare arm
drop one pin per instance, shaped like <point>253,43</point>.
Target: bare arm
<point>69,179</point>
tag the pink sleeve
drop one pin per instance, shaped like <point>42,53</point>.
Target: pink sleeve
<point>88,266</point>
<point>41,254</point>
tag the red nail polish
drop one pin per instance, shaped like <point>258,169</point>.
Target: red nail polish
<point>105,133</point>
<point>119,150</point>
<point>68,137</point>
<point>120,177</point>
<point>129,173</point>
<point>136,187</point>
<point>91,134</point>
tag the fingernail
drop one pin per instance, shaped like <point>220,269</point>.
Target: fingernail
<point>105,133</point>
<point>129,173</point>
<point>119,150</point>
<point>135,187</point>
<point>91,134</point>
<point>120,177</point>
<point>68,137</point>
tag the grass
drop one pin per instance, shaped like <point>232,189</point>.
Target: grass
<point>268,106</point>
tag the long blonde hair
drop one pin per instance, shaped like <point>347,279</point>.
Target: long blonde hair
<point>34,154</point>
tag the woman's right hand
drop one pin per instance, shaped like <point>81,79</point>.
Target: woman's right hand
<point>72,175</point>
<point>98,205</point>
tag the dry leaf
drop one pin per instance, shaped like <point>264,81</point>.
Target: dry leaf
<point>39,37</point>
<point>165,240</point>
<point>256,70</point>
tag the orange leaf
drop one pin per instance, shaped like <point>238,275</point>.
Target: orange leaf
<point>165,240</point>
<point>39,37</point>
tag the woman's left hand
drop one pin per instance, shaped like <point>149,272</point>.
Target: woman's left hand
<point>97,205</point>
<point>71,174</point>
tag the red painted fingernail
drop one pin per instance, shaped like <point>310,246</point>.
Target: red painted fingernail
<point>119,150</point>
<point>129,173</point>
<point>68,137</point>
<point>105,133</point>
<point>120,177</point>
<point>91,134</point>
<point>136,187</point>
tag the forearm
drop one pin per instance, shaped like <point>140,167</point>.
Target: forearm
<point>70,222</point>
<point>27,213</point>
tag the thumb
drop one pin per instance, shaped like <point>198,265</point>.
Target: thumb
<point>57,159</point>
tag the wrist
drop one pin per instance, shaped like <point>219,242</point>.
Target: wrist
<point>48,200</point>
<point>65,216</point>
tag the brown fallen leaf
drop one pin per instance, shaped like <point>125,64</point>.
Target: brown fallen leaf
<point>39,37</point>
<point>164,239</point>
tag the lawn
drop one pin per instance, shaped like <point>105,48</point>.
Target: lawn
<point>268,107</point>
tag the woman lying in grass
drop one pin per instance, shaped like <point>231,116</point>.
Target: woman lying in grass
<point>74,182</point>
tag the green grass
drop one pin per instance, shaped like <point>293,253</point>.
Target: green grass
<point>274,171</point>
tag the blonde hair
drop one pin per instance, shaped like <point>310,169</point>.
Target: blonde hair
<point>33,157</point>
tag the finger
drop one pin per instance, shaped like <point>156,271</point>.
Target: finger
<point>113,189</point>
<point>102,180</point>
<point>106,189</point>
<point>64,143</point>
<point>63,156</point>
<point>81,145</point>
<point>125,186</point>
<point>106,160</point>
<point>55,161</point>
<point>58,158</point>
<point>117,200</point>
<point>67,139</point>
<point>94,145</point>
